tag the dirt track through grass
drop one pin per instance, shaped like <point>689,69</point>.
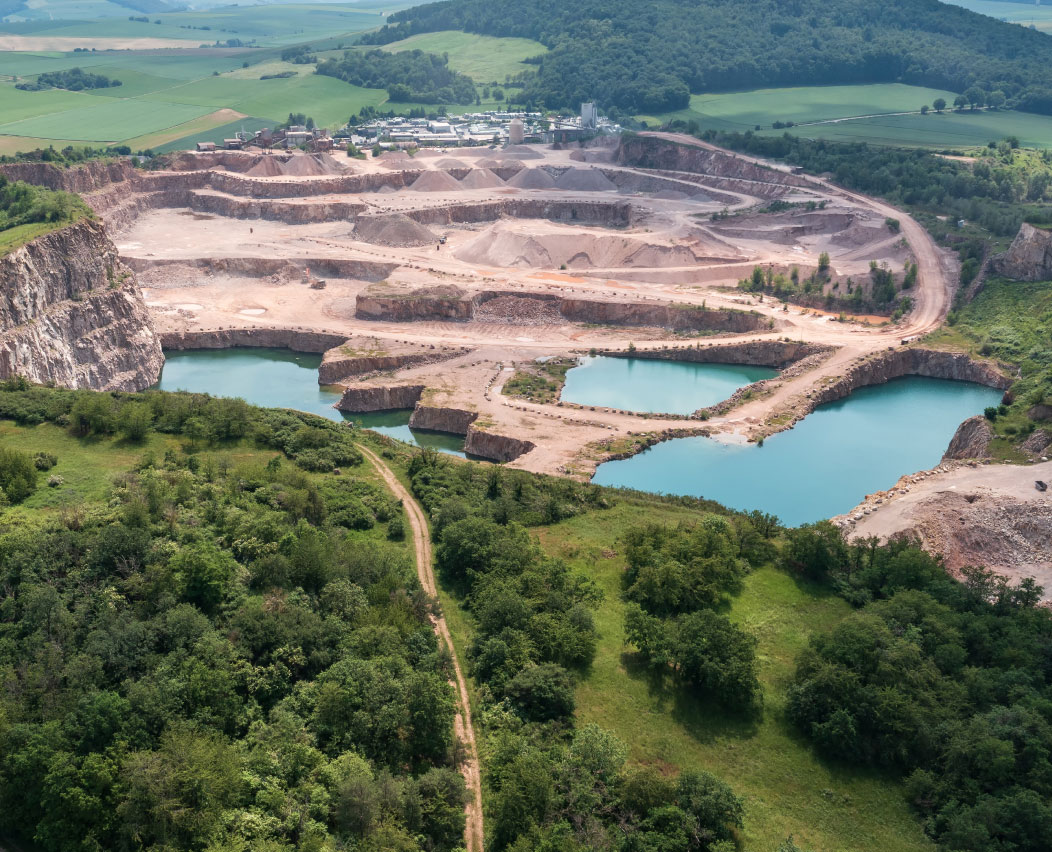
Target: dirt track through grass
<point>465,731</point>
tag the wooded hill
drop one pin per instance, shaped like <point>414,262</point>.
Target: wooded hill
<point>649,56</point>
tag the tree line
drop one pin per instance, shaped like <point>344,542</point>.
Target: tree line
<point>648,57</point>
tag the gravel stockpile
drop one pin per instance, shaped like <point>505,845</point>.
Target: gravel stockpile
<point>532,179</point>
<point>523,152</point>
<point>266,167</point>
<point>480,179</point>
<point>519,310</point>
<point>435,182</point>
<point>305,165</point>
<point>392,229</point>
<point>585,180</point>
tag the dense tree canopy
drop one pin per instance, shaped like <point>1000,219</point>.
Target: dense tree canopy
<point>409,75</point>
<point>946,682</point>
<point>648,56</point>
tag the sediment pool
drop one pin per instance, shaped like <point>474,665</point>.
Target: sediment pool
<point>278,378</point>
<point>648,385</point>
<point>826,464</point>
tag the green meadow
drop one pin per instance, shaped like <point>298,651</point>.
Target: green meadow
<point>883,113</point>
<point>483,58</point>
<point>787,789</point>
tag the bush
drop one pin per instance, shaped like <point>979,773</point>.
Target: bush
<point>542,693</point>
<point>18,474</point>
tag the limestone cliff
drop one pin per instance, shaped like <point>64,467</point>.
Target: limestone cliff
<point>70,313</point>
<point>1029,258</point>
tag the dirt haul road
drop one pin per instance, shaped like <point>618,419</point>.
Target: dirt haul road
<point>465,731</point>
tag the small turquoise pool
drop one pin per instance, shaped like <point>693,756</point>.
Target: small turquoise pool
<point>666,387</point>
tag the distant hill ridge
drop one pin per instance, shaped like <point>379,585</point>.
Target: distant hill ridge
<point>649,55</point>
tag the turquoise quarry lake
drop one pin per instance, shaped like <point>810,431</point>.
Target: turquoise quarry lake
<point>668,387</point>
<point>277,378</point>
<point>826,464</point>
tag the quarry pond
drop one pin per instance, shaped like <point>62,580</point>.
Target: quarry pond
<point>278,378</point>
<point>645,385</point>
<point>826,464</point>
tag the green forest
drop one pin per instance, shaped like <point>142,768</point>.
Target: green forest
<point>649,57</point>
<point>216,641</point>
<point>408,76</point>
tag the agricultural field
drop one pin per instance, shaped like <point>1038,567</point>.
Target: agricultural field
<point>1024,14</point>
<point>483,58</point>
<point>881,113</point>
<point>787,789</point>
<point>172,96</point>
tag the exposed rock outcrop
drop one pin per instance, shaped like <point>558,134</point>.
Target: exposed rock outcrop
<point>971,440</point>
<point>268,338</point>
<point>1029,258</point>
<point>777,354</point>
<point>326,267</point>
<point>498,448</point>
<point>385,398</point>
<point>1037,442</point>
<point>448,302</point>
<point>83,178</point>
<point>70,313</point>
<point>453,420</point>
<point>338,364</point>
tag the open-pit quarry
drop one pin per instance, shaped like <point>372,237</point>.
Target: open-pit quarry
<point>430,280</point>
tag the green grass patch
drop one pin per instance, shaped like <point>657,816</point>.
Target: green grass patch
<point>787,789</point>
<point>540,382</point>
<point>1010,321</point>
<point>483,58</point>
<point>12,238</point>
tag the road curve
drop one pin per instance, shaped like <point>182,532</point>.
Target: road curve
<point>465,731</point>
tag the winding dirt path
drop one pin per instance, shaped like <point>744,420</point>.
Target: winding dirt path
<point>465,730</point>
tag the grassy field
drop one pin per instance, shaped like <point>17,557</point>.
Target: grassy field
<point>787,789</point>
<point>744,110</point>
<point>12,238</point>
<point>862,113</point>
<point>263,24</point>
<point>483,58</point>
<point>1025,14</point>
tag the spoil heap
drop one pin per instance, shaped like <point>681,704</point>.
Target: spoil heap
<point>480,179</point>
<point>392,229</point>
<point>532,179</point>
<point>266,166</point>
<point>585,180</point>
<point>435,182</point>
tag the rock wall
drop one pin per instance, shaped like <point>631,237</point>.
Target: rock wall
<point>70,313</point>
<point>386,398</point>
<point>453,420</point>
<point>896,363</point>
<point>83,178</point>
<point>270,338</point>
<point>675,317</point>
<point>616,214</point>
<point>498,448</point>
<point>971,440</point>
<point>655,152</point>
<point>325,267</point>
<point>337,365</point>
<point>452,303</point>
<point>1029,258</point>
<point>776,354</point>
